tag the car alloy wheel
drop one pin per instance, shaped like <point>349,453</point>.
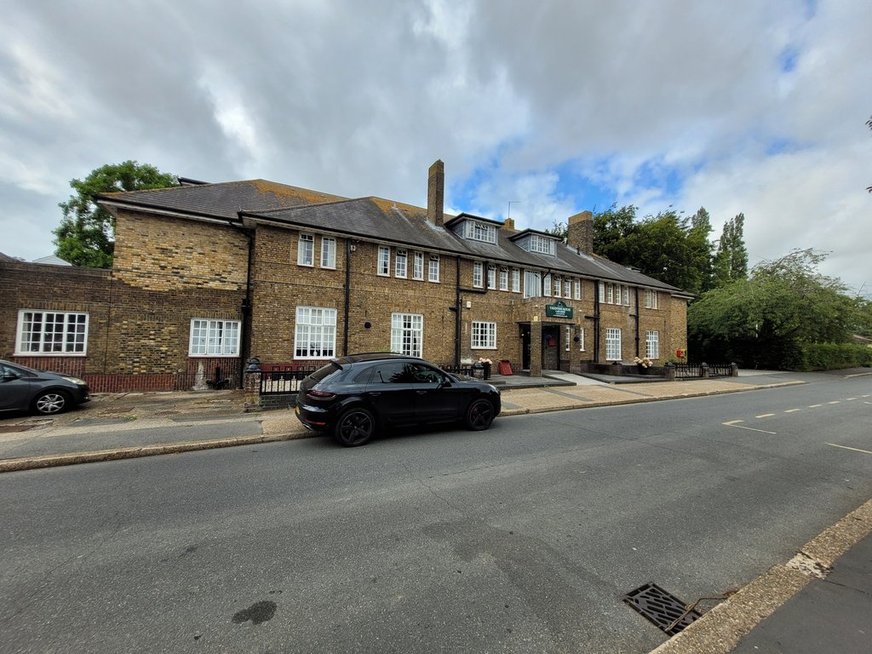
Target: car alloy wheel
<point>354,427</point>
<point>50,402</point>
<point>479,415</point>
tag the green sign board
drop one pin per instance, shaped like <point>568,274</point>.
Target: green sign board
<point>558,310</point>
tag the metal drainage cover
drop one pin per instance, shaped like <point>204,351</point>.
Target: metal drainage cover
<point>666,611</point>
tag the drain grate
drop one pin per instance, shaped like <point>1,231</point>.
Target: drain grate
<point>664,610</point>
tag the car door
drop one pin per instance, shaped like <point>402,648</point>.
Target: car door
<point>15,388</point>
<point>391,392</point>
<point>437,400</point>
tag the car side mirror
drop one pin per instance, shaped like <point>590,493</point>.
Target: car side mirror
<point>445,383</point>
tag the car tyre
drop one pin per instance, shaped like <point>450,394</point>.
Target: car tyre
<point>480,414</point>
<point>354,427</point>
<point>49,403</point>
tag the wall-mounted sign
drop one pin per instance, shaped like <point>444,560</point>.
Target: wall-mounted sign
<point>558,310</point>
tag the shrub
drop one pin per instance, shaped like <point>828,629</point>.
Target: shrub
<point>831,356</point>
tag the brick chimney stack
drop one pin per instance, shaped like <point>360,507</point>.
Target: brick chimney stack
<point>509,224</point>
<point>436,193</point>
<point>580,232</point>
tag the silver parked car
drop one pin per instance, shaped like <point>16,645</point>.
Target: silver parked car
<point>38,391</point>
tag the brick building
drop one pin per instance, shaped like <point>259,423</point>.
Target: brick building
<point>207,275</point>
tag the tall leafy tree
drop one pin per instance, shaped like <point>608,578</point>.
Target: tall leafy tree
<point>86,234</point>
<point>762,320</point>
<point>731,258</point>
<point>668,247</point>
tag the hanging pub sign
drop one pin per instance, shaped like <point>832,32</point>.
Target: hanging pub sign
<point>558,310</point>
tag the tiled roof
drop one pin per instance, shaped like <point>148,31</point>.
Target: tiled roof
<point>371,218</point>
<point>222,200</point>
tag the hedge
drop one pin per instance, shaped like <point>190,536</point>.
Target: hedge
<point>832,356</point>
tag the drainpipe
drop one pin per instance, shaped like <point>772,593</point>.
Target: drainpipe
<point>596,322</point>
<point>347,295</point>
<point>637,322</point>
<point>244,336</point>
<point>457,309</point>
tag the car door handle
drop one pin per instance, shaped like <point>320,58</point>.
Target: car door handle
<point>421,392</point>
<point>374,394</point>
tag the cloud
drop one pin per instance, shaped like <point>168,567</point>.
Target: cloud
<point>558,105</point>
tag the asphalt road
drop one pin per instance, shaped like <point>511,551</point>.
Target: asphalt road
<point>523,538</point>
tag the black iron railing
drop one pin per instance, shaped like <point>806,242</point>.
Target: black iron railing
<point>284,382</point>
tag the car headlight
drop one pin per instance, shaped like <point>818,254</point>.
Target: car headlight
<point>76,380</point>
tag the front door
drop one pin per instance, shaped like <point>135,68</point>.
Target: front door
<point>525,347</point>
<point>551,347</point>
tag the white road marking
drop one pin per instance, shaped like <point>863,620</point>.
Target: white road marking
<point>765,415</point>
<point>814,406</point>
<point>833,402</point>
<point>792,410</point>
<point>850,399</point>
<point>853,449</point>
<point>732,424</point>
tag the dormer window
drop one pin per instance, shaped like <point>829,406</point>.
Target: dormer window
<point>539,243</point>
<point>476,231</point>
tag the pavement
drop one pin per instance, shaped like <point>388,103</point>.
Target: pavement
<point>821,597</point>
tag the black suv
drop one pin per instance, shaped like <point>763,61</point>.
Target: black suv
<point>356,395</point>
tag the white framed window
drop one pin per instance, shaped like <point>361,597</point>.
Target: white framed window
<point>472,229</point>
<point>567,288</point>
<point>51,332</point>
<point>610,294</point>
<point>557,286</point>
<point>613,344</point>
<point>418,265</point>
<point>532,283</point>
<point>328,252</point>
<point>538,243</point>
<point>477,274</point>
<point>546,285</point>
<point>652,344</point>
<point>516,280</point>
<point>581,339</point>
<point>492,277</point>
<point>214,338</point>
<point>400,263</point>
<point>625,295</point>
<point>652,301</point>
<point>384,261</point>
<point>407,333</point>
<point>576,289</point>
<point>433,270</point>
<point>568,338</point>
<point>602,291</point>
<point>306,250</point>
<point>315,333</point>
<point>504,279</point>
<point>484,335</point>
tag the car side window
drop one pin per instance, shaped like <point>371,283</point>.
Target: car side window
<point>393,372</point>
<point>427,375</point>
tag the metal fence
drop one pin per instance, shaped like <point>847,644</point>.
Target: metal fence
<point>284,382</point>
<point>703,370</point>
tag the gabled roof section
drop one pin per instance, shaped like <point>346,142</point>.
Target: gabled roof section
<point>222,200</point>
<point>459,218</point>
<point>372,218</point>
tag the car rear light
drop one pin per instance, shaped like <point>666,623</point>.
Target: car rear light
<point>315,394</point>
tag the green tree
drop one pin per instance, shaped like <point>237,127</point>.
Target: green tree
<point>668,247</point>
<point>86,234</point>
<point>763,321</point>
<point>731,258</point>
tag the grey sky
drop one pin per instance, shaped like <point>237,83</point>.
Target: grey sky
<point>560,106</point>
